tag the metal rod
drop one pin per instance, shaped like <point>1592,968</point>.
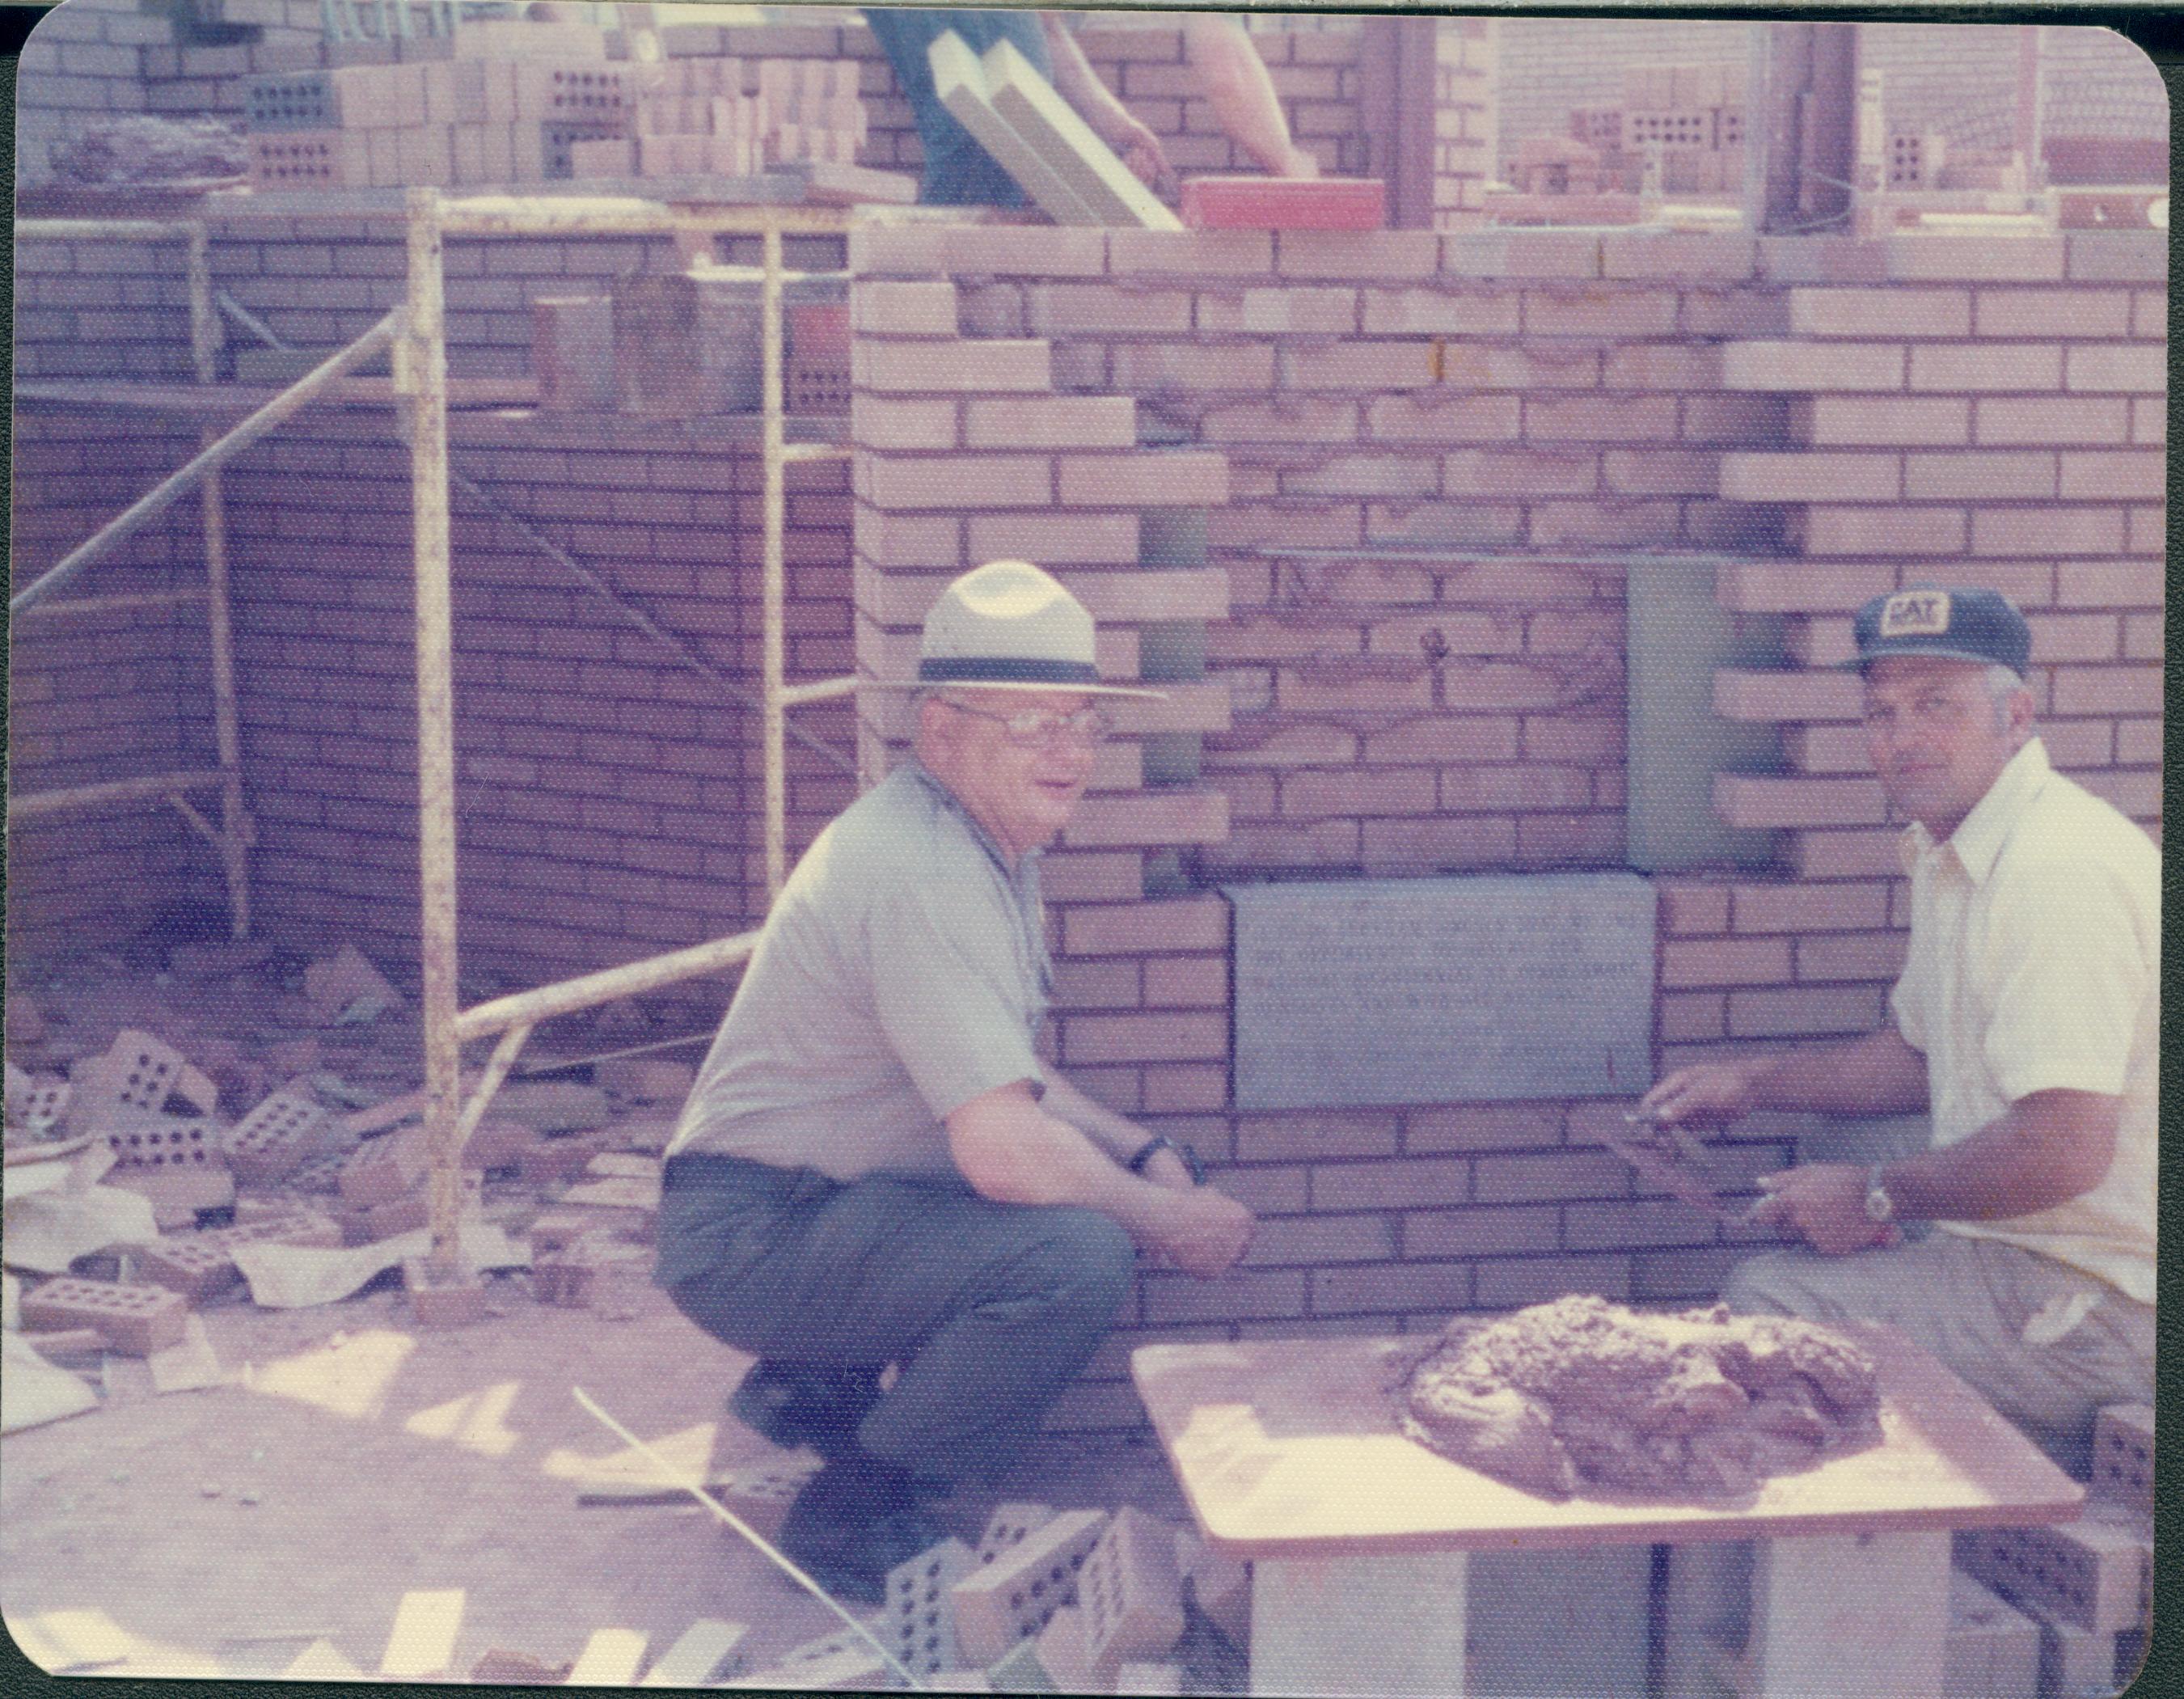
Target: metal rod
<point>675,1476</point>
<point>820,690</point>
<point>421,372</point>
<point>799,454</point>
<point>565,997</point>
<point>236,827</point>
<point>562,1064</point>
<point>249,321</point>
<point>496,1070</point>
<point>772,638</point>
<point>291,400</point>
<point>104,229</point>
<point>113,790</point>
<point>119,603</point>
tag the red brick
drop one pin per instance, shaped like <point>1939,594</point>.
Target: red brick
<point>985,365</point>
<point>2074,637</point>
<point>1599,418</point>
<point>875,422</point>
<point>1850,854</point>
<point>2138,741</point>
<point>1851,955</point>
<point>1975,258</point>
<point>1807,694</point>
<point>2054,419</point>
<point>1187,982</point>
<point>1175,477</point>
<point>1689,910</point>
<point>2059,530</point>
<point>1804,1011</point>
<point>1904,312</point>
<point>2149,420</point>
<point>1170,1036</point>
<point>1147,929</point>
<point>1304,1239</point>
<point>1185,1088</point>
<point>1395,1184</point>
<point>1481,1127</point>
<point>2125,476</point>
<point>2054,312</point>
<point>1317,1137</point>
<point>1691,1015</point>
<point>1890,531</point>
<point>1748,801</point>
<point>1787,366</point>
<point>1439,417</point>
<point>1725,961</point>
<point>1847,421</point>
<point>1055,539</point>
<point>1433,1288</point>
<point>1999,366</point>
<point>1401,846</point>
<point>1062,422</point>
<point>903,310</point>
<point>1196,254</point>
<point>2148,530</point>
<point>2108,690</point>
<point>2149,314</point>
<point>1357,792</point>
<point>2118,366</point>
<point>1510,1283</point>
<point>1979,475</point>
<point>1811,477</point>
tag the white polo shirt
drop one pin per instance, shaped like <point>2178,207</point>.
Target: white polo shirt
<point>2034,964</point>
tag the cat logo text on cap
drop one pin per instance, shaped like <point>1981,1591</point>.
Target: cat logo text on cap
<point>1916,613</point>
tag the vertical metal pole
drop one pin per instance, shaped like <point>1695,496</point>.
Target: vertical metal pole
<point>774,609</point>
<point>423,373</point>
<point>235,826</point>
<point>2030,38</point>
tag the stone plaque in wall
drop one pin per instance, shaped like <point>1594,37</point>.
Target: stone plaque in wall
<point>1358,992</point>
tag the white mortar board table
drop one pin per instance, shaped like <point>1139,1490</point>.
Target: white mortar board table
<point>1358,1538</point>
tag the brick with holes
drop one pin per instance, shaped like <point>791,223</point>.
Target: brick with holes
<point>2090,1573</point>
<point>1008,1525</point>
<point>760,1496</point>
<point>135,1320</point>
<point>1130,1594</point>
<point>277,1136</point>
<point>1012,1598</point>
<point>917,1617</point>
<point>202,1265</point>
<point>381,1170</point>
<point>2123,1458</point>
<point>134,1078</point>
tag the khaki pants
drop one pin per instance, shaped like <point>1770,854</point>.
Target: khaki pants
<point>1972,1302</point>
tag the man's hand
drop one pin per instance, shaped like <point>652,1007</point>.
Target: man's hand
<point>1825,1202</point>
<point>1140,150</point>
<point>1297,162</point>
<point>1204,1231</point>
<point>1708,1093</point>
<point>1165,1169</point>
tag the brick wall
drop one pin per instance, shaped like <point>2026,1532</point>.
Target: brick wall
<point>595,773</point>
<point>80,66</point>
<point>1439,453</point>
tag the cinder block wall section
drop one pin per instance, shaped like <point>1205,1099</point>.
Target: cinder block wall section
<point>1440,453</point>
<point>608,795</point>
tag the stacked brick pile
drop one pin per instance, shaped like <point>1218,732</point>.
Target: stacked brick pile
<point>1689,117</point>
<point>717,117</point>
<point>479,116</point>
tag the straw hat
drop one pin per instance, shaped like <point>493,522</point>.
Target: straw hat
<point>1008,626</point>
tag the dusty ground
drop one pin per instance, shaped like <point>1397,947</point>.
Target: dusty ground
<point>353,1458</point>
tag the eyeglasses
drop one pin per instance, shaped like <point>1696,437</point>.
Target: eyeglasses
<point>1038,728</point>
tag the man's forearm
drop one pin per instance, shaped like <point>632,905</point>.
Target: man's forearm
<point>1240,90</point>
<point>1879,1074</point>
<point>2043,1150</point>
<point>1116,1134</point>
<point>1077,83</point>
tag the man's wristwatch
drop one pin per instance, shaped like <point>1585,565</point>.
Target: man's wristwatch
<point>1880,1207</point>
<point>1136,1165</point>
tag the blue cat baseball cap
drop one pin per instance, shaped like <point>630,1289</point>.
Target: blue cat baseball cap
<point>1972,625</point>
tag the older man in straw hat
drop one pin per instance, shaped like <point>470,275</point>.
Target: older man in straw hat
<point>875,1167</point>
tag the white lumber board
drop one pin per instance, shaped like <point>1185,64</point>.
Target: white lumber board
<point>423,1637</point>
<point>961,84</point>
<point>609,1659</point>
<point>696,1656</point>
<point>1028,103</point>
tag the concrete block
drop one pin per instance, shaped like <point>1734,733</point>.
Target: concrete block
<point>1130,1595</point>
<point>135,1320</point>
<point>1008,1525</point>
<point>1993,1651</point>
<point>1012,1598</point>
<point>2090,1573</point>
<point>2123,1458</point>
<point>917,1619</point>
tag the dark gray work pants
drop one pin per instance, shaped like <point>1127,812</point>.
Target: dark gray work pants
<point>988,1309</point>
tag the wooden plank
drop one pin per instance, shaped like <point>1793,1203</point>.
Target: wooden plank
<point>1027,103</point>
<point>609,1659</point>
<point>423,1637</point>
<point>961,83</point>
<point>696,1656</point>
<point>1286,1447</point>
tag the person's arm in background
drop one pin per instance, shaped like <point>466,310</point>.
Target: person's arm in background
<point>1077,83</point>
<point>1241,91</point>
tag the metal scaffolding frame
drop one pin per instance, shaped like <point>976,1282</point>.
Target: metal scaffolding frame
<point>415,333</point>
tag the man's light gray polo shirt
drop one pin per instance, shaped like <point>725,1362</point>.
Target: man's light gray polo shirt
<point>902,972</point>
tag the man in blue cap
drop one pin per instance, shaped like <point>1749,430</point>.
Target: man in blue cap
<point>2026,1022</point>
<point>878,1187</point>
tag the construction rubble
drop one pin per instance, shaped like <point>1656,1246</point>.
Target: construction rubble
<point>218,1125</point>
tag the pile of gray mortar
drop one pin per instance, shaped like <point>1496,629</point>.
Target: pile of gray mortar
<point>1584,1393</point>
